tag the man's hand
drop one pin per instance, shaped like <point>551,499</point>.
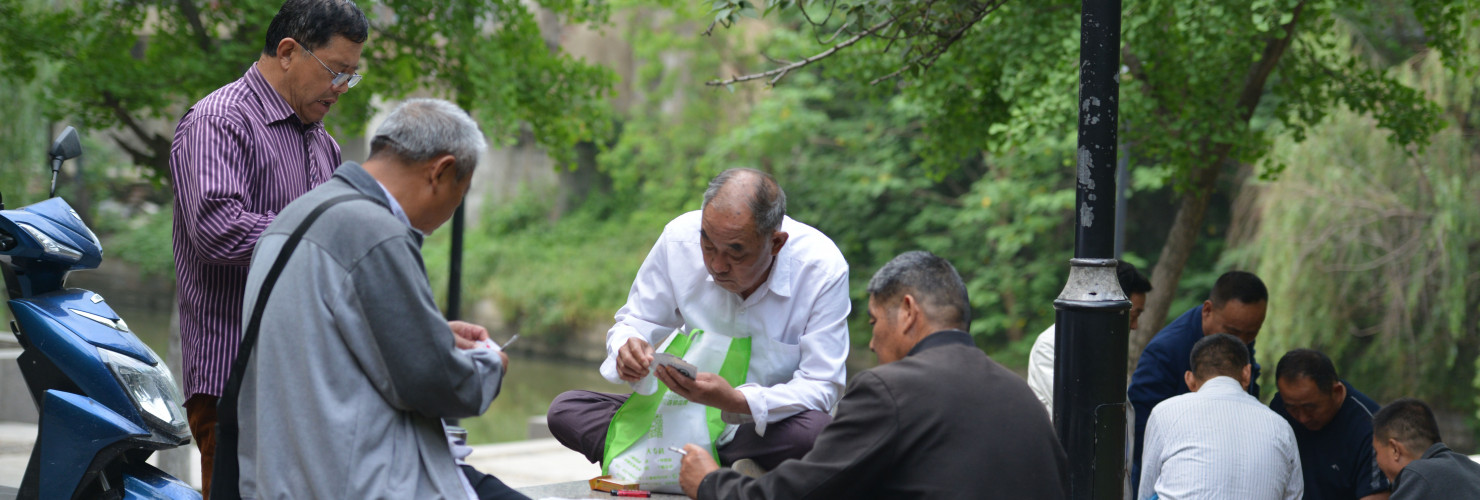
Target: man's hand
<point>706,389</point>
<point>696,464</point>
<point>633,360</point>
<point>466,335</point>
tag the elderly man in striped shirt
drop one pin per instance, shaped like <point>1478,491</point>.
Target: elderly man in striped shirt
<point>1218,441</point>
<point>239,156</point>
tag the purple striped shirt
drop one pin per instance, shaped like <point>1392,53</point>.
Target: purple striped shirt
<point>239,156</point>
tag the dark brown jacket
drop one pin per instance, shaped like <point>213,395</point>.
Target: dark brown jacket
<point>945,422</point>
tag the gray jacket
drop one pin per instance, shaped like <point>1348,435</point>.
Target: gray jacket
<point>1439,474</point>
<point>354,366</point>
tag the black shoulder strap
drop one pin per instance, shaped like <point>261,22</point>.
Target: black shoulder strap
<point>225,474</point>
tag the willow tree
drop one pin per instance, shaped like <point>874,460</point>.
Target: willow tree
<point>1378,249</point>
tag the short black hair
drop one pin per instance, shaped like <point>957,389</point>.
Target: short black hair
<point>313,22</point>
<point>1131,280</point>
<point>1242,286</point>
<point>1219,354</point>
<point>933,282</point>
<point>1409,421</point>
<point>1308,363</point>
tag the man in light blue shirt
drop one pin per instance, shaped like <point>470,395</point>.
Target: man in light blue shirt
<point>1218,441</point>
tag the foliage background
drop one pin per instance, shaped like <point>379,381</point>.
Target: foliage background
<point>1373,249</point>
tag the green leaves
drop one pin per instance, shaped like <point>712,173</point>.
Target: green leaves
<point>121,63</point>
<point>916,33</point>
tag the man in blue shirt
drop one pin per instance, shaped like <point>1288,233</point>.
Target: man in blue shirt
<point>1333,428</point>
<point>1235,307</point>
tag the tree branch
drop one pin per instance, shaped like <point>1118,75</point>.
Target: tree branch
<point>804,62</point>
<point>838,32</point>
<point>155,152</point>
<point>939,49</point>
<point>774,60</point>
<point>832,7</point>
<point>1274,50</point>
<point>192,15</point>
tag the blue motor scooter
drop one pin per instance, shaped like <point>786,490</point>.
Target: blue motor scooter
<point>105,400</point>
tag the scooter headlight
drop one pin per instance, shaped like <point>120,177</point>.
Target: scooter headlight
<point>50,246</point>
<point>152,389</point>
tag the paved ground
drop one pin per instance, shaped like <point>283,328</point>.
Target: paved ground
<point>540,468</point>
<point>519,464</point>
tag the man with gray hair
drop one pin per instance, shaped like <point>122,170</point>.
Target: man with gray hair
<point>936,419</point>
<point>354,367</point>
<point>770,296</point>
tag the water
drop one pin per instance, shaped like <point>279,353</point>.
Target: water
<point>527,391</point>
<point>531,384</point>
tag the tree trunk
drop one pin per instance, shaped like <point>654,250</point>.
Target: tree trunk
<point>1183,236</point>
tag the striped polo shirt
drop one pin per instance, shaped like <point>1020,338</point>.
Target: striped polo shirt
<point>239,156</point>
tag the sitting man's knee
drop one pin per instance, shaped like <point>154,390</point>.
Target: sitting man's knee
<point>807,426</point>
<point>561,410</point>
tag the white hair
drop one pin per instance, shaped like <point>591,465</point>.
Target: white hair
<point>421,129</point>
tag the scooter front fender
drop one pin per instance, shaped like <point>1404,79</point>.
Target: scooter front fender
<point>144,482</point>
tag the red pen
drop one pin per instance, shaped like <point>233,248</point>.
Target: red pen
<point>631,493</point>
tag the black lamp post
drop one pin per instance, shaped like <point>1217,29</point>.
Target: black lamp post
<point>1092,321</point>
<point>454,265</point>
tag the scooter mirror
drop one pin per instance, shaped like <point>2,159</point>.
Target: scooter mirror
<point>67,146</point>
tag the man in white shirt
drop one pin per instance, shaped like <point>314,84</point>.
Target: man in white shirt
<point>1218,441</point>
<point>737,269</point>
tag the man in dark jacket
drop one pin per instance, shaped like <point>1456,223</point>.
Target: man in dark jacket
<point>937,419</point>
<point>1405,438</point>
<point>1333,426</point>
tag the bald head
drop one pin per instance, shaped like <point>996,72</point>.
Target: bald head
<point>748,191</point>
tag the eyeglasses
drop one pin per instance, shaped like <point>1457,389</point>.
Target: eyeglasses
<point>339,78</point>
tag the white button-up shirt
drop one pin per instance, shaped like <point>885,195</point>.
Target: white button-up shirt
<point>798,319</point>
<point>1219,442</point>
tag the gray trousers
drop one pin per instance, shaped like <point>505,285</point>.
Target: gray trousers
<point>579,420</point>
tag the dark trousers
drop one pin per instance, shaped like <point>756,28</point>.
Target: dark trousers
<point>579,420</point>
<point>490,488</point>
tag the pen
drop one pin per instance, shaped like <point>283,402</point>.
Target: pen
<point>511,340</point>
<point>679,450</point>
<point>631,493</point>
